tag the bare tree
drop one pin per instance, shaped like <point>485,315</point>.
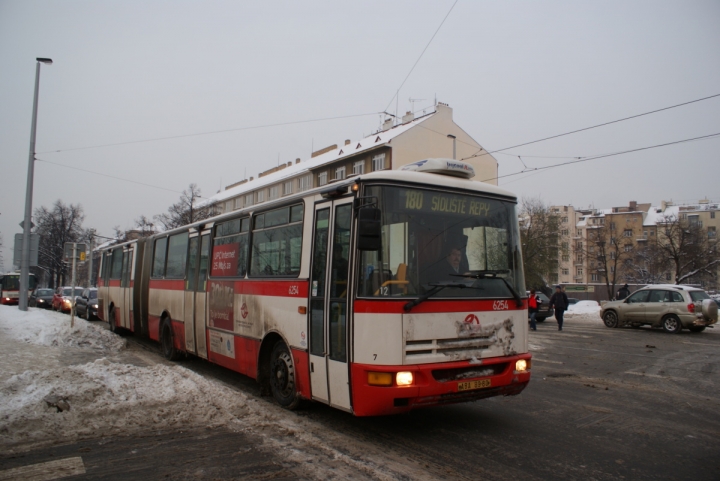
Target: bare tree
<point>187,210</point>
<point>608,256</point>
<point>542,242</point>
<point>144,227</point>
<point>60,224</point>
<point>688,249</point>
<point>646,266</point>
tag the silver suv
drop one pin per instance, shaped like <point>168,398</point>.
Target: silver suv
<point>672,307</point>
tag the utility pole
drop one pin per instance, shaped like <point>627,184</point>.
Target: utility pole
<point>27,222</point>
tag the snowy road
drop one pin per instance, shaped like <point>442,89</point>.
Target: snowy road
<point>603,404</point>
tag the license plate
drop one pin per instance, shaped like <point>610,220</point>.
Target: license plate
<point>469,385</point>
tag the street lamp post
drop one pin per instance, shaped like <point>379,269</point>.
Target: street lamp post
<point>25,260</point>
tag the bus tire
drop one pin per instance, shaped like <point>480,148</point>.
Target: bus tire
<point>167,341</point>
<point>282,377</point>
<point>112,324</point>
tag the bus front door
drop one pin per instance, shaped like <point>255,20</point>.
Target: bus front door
<point>196,295</point>
<point>329,291</point>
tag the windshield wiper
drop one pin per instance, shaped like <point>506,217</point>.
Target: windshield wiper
<point>493,274</point>
<point>435,289</point>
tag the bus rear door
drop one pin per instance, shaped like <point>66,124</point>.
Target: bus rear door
<point>196,294</point>
<point>126,303</point>
<point>329,290</point>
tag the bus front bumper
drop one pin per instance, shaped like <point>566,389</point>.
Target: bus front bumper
<point>437,384</point>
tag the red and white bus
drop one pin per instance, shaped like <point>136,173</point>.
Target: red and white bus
<point>10,287</point>
<point>376,294</point>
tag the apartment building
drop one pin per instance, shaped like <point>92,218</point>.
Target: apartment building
<point>622,232</point>
<point>398,143</point>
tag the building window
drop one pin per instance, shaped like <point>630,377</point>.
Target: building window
<point>612,269</point>
<point>579,245</point>
<point>628,247</point>
<point>249,198</point>
<point>359,167</point>
<point>340,173</point>
<point>274,192</point>
<point>566,258</point>
<point>238,202</point>
<point>667,276</point>
<point>592,264</point>
<point>287,187</point>
<point>594,277</point>
<point>566,272</point>
<point>579,257</point>
<point>228,206</point>
<point>378,162</point>
<point>564,232</point>
<point>627,233</point>
<point>564,219</point>
<point>612,255</point>
<point>322,178</point>
<point>711,232</point>
<point>304,183</point>
<point>579,271</point>
<point>260,196</point>
<point>612,225</point>
<point>712,214</point>
<point>565,245</point>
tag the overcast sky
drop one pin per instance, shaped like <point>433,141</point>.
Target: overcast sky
<point>513,72</point>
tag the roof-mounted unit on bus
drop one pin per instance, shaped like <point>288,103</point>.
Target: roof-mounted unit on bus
<point>450,167</point>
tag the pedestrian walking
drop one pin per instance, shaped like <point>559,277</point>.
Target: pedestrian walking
<point>623,292</point>
<point>532,309</point>
<point>559,301</point>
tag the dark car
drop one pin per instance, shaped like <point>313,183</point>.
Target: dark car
<point>41,298</point>
<point>86,304</point>
<point>572,300</point>
<point>544,310</point>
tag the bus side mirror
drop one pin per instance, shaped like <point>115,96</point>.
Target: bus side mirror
<point>369,229</point>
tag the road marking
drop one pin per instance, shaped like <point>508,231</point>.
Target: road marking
<point>657,376</point>
<point>45,471</point>
<point>545,360</point>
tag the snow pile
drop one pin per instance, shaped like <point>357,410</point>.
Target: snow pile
<point>112,399</point>
<point>53,329</point>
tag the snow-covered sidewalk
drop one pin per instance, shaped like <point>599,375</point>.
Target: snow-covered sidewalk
<point>60,385</point>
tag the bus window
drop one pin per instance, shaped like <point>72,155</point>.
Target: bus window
<point>158,269</point>
<point>277,243</point>
<point>117,260</point>
<point>230,248</point>
<point>177,256</point>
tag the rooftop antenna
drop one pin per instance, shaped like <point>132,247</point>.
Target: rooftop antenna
<point>412,103</point>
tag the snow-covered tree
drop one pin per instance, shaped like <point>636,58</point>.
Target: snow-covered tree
<point>542,242</point>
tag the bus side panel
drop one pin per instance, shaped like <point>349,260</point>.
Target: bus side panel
<point>154,328</point>
<point>167,296</point>
<point>302,372</point>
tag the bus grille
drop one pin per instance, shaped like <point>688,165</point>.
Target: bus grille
<point>445,346</point>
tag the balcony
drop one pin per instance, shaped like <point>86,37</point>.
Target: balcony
<point>641,239</point>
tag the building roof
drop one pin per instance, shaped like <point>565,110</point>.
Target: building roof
<point>355,147</point>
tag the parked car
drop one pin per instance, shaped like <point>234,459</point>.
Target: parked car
<point>41,297</point>
<point>544,309</point>
<point>63,298</point>
<point>572,300</point>
<point>86,304</point>
<point>672,307</point>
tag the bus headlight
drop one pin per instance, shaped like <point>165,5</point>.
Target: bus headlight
<point>521,365</point>
<point>404,378</point>
<point>380,379</point>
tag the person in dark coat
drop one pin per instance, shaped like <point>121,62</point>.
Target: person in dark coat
<point>623,292</point>
<point>559,301</point>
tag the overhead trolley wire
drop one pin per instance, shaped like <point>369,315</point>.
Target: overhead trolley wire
<point>421,55</point>
<point>477,154</point>
<point>280,124</point>
<point>603,156</point>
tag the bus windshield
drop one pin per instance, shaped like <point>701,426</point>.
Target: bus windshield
<point>468,244</point>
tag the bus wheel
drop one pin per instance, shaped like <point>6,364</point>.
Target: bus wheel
<point>111,320</point>
<point>167,341</point>
<point>282,377</point>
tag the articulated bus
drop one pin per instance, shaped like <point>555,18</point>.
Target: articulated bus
<point>10,287</point>
<point>375,294</point>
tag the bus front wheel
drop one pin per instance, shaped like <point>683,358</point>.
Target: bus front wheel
<point>282,377</point>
